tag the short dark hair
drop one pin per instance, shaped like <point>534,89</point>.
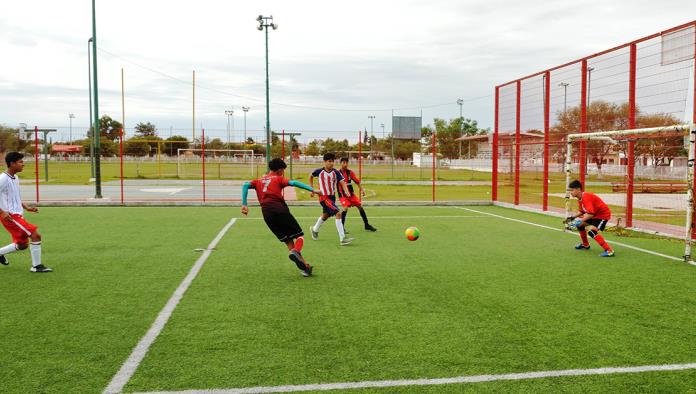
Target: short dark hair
<point>344,160</point>
<point>329,156</point>
<point>276,164</point>
<point>12,157</point>
<point>575,185</point>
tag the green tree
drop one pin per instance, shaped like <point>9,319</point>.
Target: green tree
<point>313,148</point>
<point>109,128</point>
<point>144,130</point>
<point>172,144</point>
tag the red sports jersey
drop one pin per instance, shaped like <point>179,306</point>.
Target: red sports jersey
<point>349,177</point>
<point>269,191</point>
<point>591,203</point>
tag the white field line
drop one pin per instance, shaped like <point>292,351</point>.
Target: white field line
<point>390,217</point>
<point>558,229</point>
<point>440,381</point>
<point>136,357</point>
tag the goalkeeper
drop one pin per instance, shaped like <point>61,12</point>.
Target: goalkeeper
<point>592,218</point>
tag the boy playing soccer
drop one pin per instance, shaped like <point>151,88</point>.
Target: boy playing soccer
<point>11,211</point>
<point>275,211</point>
<point>329,180</point>
<point>592,218</point>
<point>352,200</point>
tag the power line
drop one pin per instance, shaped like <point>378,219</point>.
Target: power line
<point>334,109</point>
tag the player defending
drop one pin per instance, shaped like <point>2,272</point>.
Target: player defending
<point>275,211</point>
<point>11,210</point>
<point>592,218</point>
<point>352,200</point>
<point>329,180</point>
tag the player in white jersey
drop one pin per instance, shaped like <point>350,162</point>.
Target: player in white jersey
<point>329,180</point>
<point>12,208</point>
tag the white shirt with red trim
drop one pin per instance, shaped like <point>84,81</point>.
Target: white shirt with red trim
<point>10,200</point>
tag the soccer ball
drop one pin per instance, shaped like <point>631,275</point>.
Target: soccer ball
<point>412,233</point>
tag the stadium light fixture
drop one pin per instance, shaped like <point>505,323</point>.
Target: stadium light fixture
<point>266,22</point>
<point>245,109</point>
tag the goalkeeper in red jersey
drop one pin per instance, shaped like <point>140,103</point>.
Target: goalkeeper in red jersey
<point>276,214</point>
<point>591,219</point>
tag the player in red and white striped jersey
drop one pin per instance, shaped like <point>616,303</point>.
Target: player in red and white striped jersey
<point>330,179</point>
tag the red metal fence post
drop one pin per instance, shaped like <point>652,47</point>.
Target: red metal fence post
<point>547,109</point>
<point>360,155</point>
<point>518,139</point>
<point>36,160</point>
<point>203,158</point>
<point>120,148</point>
<point>494,184</point>
<point>583,122</point>
<point>631,143</point>
<point>693,120</point>
<point>434,162</point>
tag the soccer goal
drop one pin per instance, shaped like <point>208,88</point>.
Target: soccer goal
<point>645,175</point>
<point>221,163</point>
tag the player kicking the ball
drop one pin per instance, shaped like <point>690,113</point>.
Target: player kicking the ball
<point>352,200</point>
<point>276,213</point>
<point>592,218</point>
<point>329,180</point>
<point>23,233</point>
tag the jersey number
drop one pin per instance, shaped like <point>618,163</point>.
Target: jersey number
<point>266,182</point>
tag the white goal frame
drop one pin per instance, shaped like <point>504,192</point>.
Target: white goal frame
<point>689,129</point>
<point>248,154</point>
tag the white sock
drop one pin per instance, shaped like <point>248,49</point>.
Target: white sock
<point>316,227</point>
<point>11,248</point>
<point>339,227</point>
<point>35,249</point>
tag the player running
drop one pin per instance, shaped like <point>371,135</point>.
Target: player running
<point>275,211</point>
<point>352,200</point>
<point>12,208</point>
<point>592,218</point>
<point>329,180</point>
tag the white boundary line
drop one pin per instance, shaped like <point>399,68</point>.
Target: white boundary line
<point>441,381</point>
<point>136,357</point>
<point>557,229</point>
<point>390,217</point>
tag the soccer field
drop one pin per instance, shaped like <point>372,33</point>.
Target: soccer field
<point>484,291</point>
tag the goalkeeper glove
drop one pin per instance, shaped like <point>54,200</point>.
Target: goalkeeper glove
<point>574,224</point>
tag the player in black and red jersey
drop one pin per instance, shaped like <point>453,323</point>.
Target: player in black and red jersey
<point>353,200</point>
<point>592,218</point>
<point>276,213</point>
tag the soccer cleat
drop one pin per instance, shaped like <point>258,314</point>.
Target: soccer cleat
<point>368,227</point>
<point>315,235</point>
<point>607,253</point>
<point>41,268</point>
<point>582,247</point>
<point>3,260</point>
<point>308,271</point>
<point>346,241</point>
<point>297,258</point>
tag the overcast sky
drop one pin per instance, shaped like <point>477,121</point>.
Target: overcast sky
<point>345,60</point>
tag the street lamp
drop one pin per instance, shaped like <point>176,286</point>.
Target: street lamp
<point>382,126</point>
<point>245,109</point>
<point>460,102</point>
<point>229,114</point>
<point>266,22</point>
<point>565,95</point>
<point>97,149</point>
<point>372,132</point>
<point>589,82</point>
<point>71,117</point>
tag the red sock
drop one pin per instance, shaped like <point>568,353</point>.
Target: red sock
<point>299,243</point>
<point>600,240</point>
<point>583,236</point>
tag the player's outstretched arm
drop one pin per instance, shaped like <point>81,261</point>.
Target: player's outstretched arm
<point>245,191</point>
<point>311,184</point>
<point>301,185</point>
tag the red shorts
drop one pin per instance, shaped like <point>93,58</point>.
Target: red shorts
<point>19,228</point>
<point>352,201</point>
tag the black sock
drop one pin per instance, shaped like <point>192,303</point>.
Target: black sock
<point>364,216</point>
<point>343,218</point>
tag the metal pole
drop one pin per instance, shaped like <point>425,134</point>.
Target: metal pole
<point>268,111</point>
<point>583,121</point>
<point>97,147</point>
<point>193,111</point>
<point>494,183</point>
<point>245,109</point>
<point>631,143</point>
<point>690,196</point>
<point>518,139</point>
<point>36,160</point>
<point>547,110</point>
<point>45,151</point>
<point>90,132</point>
<point>71,117</point>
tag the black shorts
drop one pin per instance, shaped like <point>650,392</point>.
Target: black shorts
<point>282,224</point>
<point>599,223</point>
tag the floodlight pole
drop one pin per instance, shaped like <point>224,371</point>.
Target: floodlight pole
<point>97,164</point>
<point>565,95</point>
<point>245,109</point>
<point>264,23</point>
<point>90,132</point>
<point>372,132</point>
<point>71,117</point>
<point>460,102</point>
<point>229,113</point>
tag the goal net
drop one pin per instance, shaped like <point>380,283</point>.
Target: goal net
<point>219,163</point>
<point>645,176</point>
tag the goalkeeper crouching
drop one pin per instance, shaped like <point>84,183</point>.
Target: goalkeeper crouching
<point>592,218</point>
